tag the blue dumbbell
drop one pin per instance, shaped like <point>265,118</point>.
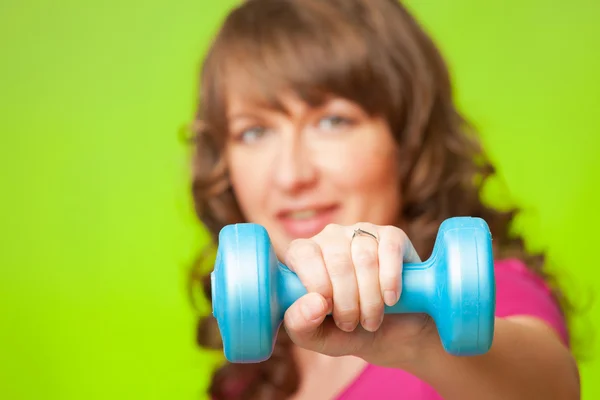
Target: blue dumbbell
<point>251,289</point>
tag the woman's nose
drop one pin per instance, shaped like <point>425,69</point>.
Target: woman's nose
<point>294,169</point>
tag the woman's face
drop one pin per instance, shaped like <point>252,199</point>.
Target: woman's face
<point>296,171</point>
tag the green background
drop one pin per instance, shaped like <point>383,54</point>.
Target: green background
<point>97,229</point>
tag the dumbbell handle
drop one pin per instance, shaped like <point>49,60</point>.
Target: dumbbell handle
<point>417,291</point>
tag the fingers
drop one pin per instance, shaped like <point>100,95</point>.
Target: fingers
<point>304,317</point>
<point>308,328</point>
<point>364,250</point>
<point>390,264</point>
<point>338,260</point>
<point>349,276</point>
<point>394,250</point>
<point>304,257</point>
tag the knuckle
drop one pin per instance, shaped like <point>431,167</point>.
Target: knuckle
<point>366,257</point>
<point>392,246</point>
<point>347,314</point>
<point>365,225</point>
<point>372,306</point>
<point>323,288</point>
<point>302,249</point>
<point>331,228</point>
<point>390,282</point>
<point>394,232</point>
<point>394,240</point>
<point>339,262</point>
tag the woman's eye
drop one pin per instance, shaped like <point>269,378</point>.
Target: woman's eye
<point>252,135</point>
<point>333,122</point>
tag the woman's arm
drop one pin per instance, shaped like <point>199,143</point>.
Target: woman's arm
<point>529,358</point>
<point>527,361</point>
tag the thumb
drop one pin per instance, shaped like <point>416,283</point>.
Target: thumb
<point>307,326</point>
<point>303,320</point>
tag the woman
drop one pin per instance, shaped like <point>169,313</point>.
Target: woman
<point>318,117</point>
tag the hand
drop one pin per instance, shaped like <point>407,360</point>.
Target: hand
<point>352,278</point>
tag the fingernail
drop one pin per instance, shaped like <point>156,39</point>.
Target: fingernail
<point>346,326</point>
<point>371,324</point>
<point>312,310</point>
<point>390,297</point>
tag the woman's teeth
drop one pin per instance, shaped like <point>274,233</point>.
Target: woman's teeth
<point>305,214</point>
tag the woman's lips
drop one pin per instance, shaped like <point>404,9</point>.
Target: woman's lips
<point>307,222</point>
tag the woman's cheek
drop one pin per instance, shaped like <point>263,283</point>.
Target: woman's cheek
<point>248,177</point>
<point>361,169</point>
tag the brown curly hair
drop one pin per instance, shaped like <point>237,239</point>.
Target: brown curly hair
<point>374,53</point>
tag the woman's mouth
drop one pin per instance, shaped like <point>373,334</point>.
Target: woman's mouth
<point>307,222</point>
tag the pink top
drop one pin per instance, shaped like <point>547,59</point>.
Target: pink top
<point>518,291</point>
